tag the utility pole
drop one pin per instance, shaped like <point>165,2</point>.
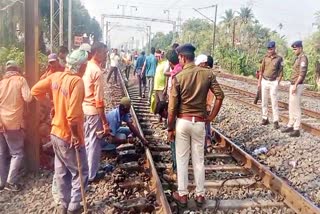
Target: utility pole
<point>31,47</point>
<point>61,23</point>
<point>70,25</point>
<point>214,30</point>
<point>51,24</point>
<point>167,12</point>
<point>213,21</point>
<point>123,8</point>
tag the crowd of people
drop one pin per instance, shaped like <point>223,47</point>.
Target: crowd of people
<point>181,89</point>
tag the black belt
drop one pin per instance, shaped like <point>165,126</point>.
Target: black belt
<point>269,78</point>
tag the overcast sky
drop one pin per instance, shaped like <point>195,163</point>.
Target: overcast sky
<point>296,16</point>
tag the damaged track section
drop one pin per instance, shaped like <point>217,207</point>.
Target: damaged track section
<point>137,171</point>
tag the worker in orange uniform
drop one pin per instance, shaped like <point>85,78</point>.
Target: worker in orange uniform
<point>53,66</point>
<point>93,108</point>
<point>14,92</point>
<point>67,90</point>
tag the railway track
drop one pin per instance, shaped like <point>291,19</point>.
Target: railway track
<point>310,119</point>
<point>235,181</point>
<point>307,93</point>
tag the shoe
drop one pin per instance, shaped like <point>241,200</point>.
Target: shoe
<point>256,100</point>
<point>143,96</point>
<point>139,97</point>
<point>276,125</point>
<point>265,122</point>
<point>295,133</point>
<point>287,130</point>
<point>199,200</point>
<point>13,187</point>
<point>77,211</point>
<point>182,201</point>
<point>100,175</point>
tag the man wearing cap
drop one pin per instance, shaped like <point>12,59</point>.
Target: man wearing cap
<point>93,107</point>
<point>300,68</point>
<point>188,105</point>
<point>86,47</point>
<point>14,92</point>
<point>67,89</point>
<point>122,114</point>
<point>53,66</point>
<point>149,70</point>
<point>270,76</point>
<point>62,55</point>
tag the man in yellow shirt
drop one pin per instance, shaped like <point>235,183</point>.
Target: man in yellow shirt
<point>67,90</point>
<point>14,92</point>
<point>159,78</point>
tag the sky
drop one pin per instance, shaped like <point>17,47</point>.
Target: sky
<point>296,16</point>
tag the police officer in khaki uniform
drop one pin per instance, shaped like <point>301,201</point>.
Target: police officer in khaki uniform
<point>270,76</point>
<point>300,68</point>
<point>187,103</point>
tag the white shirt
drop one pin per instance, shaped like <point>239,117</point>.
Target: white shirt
<point>114,60</point>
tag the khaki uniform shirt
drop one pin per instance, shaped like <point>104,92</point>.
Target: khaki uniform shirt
<point>272,67</point>
<point>189,91</point>
<point>300,68</point>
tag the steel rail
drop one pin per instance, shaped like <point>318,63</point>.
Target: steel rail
<point>308,128</point>
<point>291,197</point>
<point>307,93</point>
<point>165,207</point>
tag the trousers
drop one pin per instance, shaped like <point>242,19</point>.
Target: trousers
<point>190,137</point>
<point>114,71</point>
<point>150,81</point>
<point>66,173</point>
<point>142,83</point>
<point>11,146</point>
<point>295,107</point>
<point>269,87</point>
<point>92,124</point>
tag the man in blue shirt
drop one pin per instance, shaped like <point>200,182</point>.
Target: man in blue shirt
<point>118,115</point>
<point>138,70</point>
<point>149,69</point>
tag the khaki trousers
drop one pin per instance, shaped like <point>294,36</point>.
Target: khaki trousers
<point>190,137</point>
<point>272,88</point>
<point>295,107</point>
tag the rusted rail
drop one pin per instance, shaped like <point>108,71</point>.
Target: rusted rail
<point>157,187</point>
<point>307,93</point>
<point>290,197</point>
<point>240,169</point>
<point>247,99</point>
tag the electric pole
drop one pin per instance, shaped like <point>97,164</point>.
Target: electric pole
<point>70,25</point>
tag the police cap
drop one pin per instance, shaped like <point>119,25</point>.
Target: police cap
<point>271,44</point>
<point>185,49</point>
<point>297,44</point>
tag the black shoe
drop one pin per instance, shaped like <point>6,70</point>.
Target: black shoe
<point>276,125</point>
<point>295,133</point>
<point>256,100</point>
<point>143,96</point>
<point>13,187</point>
<point>287,130</point>
<point>265,122</point>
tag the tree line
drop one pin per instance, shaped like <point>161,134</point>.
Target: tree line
<point>241,43</point>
